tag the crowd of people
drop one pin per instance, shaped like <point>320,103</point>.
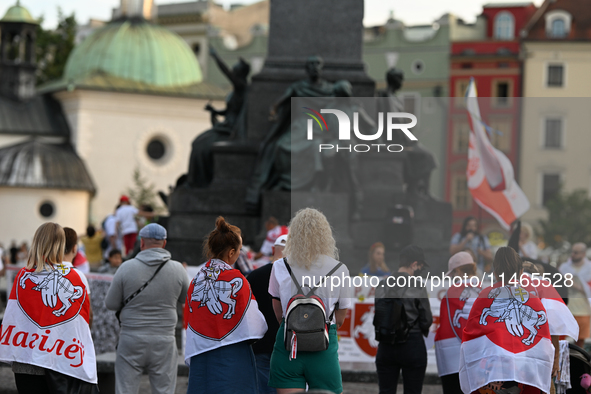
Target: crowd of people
<point>265,330</point>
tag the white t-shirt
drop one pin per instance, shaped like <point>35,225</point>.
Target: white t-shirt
<point>80,273</point>
<point>281,286</point>
<point>126,218</point>
<point>272,235</point>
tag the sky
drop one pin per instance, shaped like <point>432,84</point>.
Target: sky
<point>376,11</point>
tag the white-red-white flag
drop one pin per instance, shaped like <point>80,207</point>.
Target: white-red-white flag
<point>491,179</point>
<point>46,323</point>
<point>506,339</point>
<point>220,310</point>
<point>453,315</point>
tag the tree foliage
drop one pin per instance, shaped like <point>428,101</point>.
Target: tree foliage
<point>143,192</point>
<point>569,218</point>
<point>54,47</point>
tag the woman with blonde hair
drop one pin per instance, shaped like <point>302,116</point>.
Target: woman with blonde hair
<point>310,254</point>
<point>47,315</point>
<point>377,264</point>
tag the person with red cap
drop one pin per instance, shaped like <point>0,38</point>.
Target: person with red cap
<point>125,216</point>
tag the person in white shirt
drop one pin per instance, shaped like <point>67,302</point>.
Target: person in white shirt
<point>274,230</point>
<point>527,248</point>
<point>579,293</point>
<point>125,216</point>
<point>310,252</point>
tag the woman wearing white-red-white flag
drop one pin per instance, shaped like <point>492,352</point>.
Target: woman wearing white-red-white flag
<point>45,332</point>
<point>453,315</point>
<point>506,342</point>
<point>222,318</point>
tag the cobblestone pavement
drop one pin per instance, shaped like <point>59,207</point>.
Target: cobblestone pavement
<point>7,385</point>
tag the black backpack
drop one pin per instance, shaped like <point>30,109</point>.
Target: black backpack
<point>390,319</point>
<point>306,325</point>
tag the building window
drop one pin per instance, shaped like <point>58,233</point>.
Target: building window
<point>156,149</point>
<point>461,136</point>
<point>558,23</point>
<point>504,26</point>
<point>550,187</point>
<point>503,90</point>
<point>558,28</point>
<point>555,75</point>
<point>410,102</point>
<point>197,49</point>
<point>553,133</point>
<point>418,66</point>
<point>500,133</point>
<point>461,198</point>
<point>460,92</point>
<point>46,209</point>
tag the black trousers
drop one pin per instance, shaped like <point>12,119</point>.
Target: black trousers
<point>451,384</point>
<point>31,384</point>
<point>409,357</point>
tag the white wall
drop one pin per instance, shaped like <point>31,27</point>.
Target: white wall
<point>111,132</point>
<point>19,210</point>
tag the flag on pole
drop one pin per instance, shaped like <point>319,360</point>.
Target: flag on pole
<point>491,179</point>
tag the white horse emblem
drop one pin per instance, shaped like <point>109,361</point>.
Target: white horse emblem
<point>211,292</point>
<point>509,307</point>
<point>366,329</point>
<point>53,286</point>
<point>464,313</point>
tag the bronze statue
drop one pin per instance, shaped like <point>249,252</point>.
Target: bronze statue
<point>420,162</point>
<point>273,168</point>
<point>232,127</point>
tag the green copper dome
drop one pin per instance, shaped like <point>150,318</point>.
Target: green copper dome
<point>134,52</point>
<point>16,13</point>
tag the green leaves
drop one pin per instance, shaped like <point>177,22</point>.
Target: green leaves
<point>54,47</point>
<point>569,218</point>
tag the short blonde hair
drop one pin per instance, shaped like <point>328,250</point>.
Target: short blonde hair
<point>47,248</point>
<point>309,237</point>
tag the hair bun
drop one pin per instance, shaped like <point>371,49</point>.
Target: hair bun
<point>221,225</point>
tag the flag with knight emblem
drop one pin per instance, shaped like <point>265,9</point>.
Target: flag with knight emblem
<point>46,323</point>
<point>506,339</point>
<point>560,319</point>
<point>220,310</point>
<point>454,312</point>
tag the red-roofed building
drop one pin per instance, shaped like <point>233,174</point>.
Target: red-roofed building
<point>487,51</point>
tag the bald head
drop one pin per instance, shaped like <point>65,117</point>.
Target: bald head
<point>578,252</point>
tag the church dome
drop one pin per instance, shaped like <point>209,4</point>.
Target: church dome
<point>135,52</point>
<point>17,14</point>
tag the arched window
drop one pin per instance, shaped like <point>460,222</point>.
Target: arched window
<point>558,24</point>
<point>558,28</point>
<point>504,26</point>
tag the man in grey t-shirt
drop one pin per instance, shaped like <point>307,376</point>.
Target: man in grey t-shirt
<point>147,341</point>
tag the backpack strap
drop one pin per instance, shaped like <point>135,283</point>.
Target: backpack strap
<point>332,271</point>
<point>293,278</point>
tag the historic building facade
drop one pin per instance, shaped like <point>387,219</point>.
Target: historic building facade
<point>488,52</point>
<point>555,127</point>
